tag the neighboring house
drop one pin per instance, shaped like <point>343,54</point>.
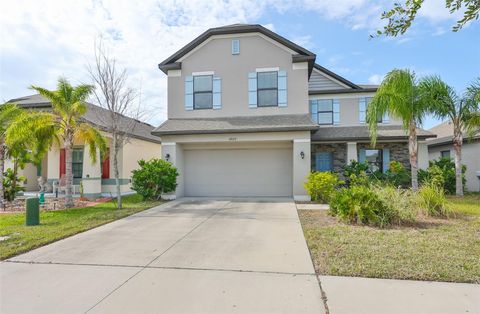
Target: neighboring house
<point>442,146</point>
<point>96,178</point>
<point>250,113</point>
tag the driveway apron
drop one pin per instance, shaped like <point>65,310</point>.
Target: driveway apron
<point>193,255</point>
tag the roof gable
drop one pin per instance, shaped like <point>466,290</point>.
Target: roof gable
<point>301,54</point>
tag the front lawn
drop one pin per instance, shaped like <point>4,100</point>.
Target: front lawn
<point>431,249</point>
<point>56,225</point>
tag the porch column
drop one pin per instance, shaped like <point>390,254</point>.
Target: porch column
<point>422,155</point>
<point>173,152</point>
<point>351,152</point>
<point>53,165</point>
<point>91,176</point>
<point>301,168</point>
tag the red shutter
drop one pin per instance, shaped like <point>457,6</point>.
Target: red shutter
<point>63,168</point>
<point>106,166</point>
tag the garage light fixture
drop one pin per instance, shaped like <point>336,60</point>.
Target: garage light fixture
<point>302,154</point>
<point>167,157</point>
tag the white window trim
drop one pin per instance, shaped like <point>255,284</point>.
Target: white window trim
<point>203,73</point>
<point>275,69</point>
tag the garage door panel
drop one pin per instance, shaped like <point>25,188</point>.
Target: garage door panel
<point>238,172</point>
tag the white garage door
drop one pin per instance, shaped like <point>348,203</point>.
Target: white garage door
<point>238,172</point>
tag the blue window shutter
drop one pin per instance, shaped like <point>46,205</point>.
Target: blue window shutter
<point>361,156</point>
<point>282,88</point>
<point>386,118</point>
<point>362,106</point>
<point>386,159</point>
<point>189,93</point>
<point>252,90</point>
<point>235,46</point>
<point>314,110</point>
<point>217,92</point>
<point>336,111</point>
<point>324,161</point>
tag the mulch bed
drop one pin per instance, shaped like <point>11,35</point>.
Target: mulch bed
<point>51,204</point>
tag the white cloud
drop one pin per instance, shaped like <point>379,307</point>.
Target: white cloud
<point>376,79</point>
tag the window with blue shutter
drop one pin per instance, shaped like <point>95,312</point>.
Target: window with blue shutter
<point>252,89</point>
<point>235,46</point>
<point>386,159</point>
<point>282,88</point>
<point>336,111</point>
<point>324,161</point>
<point>189,93</point>
<point>362,108</point>
<point>217,92</point>
<point>203,92</point>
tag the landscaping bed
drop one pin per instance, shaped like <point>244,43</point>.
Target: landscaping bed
<point>16,238</point>
<point>429,248</point>
<point>51,203</point>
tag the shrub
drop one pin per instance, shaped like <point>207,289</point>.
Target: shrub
<point>355,168</point>
<point>321,185</point>
<point>397,175</point>
<point>153,178</point>
<point>441,172</point>
<point>431,199</point>
<point>10,191</point>
<point>402,202</point>
<point>361,204</point>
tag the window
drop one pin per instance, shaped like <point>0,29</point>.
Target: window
<point>235,46</point>
<point>325,111</point>
<point>363,110</point>
<point>323,161</point>
<point>374,158</point>
<point>203,92</point>
<point>267,89</point>
<point>77,163</point>
<point>445,154</point>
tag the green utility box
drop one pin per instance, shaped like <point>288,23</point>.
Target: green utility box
<point>33,211</point>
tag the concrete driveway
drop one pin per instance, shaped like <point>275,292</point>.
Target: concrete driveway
<point>186,256</point>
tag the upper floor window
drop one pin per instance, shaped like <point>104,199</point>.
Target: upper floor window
<point>325,111</point>
<point>267,89</point>
<point>203,92</point>
<point>363,104</point>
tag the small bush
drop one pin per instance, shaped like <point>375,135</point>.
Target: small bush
<point>10,191</point>
<point>441,172</point>
<point>362,205</point>
<point>321,185</point>
<point>431,199</point>
<point>397,175</point>
<point>153,178</point>
<point>402,203</point>
<point>355,168</point>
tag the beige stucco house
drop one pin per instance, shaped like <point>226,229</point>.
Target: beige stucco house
<point>442,146</point>
<point>250,113</point>
<point>95,178</point>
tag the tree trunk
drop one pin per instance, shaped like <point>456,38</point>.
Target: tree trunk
<point>68,172</point>
<point>413,151</point>
<point>2,170</point>
<point>116,148</point>
<point>457,146</point>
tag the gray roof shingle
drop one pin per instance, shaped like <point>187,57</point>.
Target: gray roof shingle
<point>95,115</point>
<point>356,133</point>
<point>299,122</point>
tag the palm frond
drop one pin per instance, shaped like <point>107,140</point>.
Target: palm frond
<point>92,138</point>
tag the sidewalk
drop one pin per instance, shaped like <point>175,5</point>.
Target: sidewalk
<point>379,296</point>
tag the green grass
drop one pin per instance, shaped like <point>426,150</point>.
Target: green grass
<point>56,225</point>
<point>431,249</point>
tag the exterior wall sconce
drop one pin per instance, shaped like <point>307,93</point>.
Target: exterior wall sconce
<point>302,154</point>
<point>167,157</point>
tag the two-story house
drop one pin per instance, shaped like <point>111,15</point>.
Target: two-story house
<point>250,113</point>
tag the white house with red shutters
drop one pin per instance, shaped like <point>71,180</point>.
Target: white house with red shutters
<point>94,179</point>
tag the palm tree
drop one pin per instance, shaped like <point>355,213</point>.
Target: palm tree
<point>400,96</point>
<point>462,110</point>
<point>8,113</point>
<point>65,125</point>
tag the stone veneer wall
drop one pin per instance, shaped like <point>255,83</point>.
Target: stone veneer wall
<point>398,151</point>
<point>339,151</point>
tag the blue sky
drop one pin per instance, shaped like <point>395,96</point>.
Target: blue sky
<point>42,40</point>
